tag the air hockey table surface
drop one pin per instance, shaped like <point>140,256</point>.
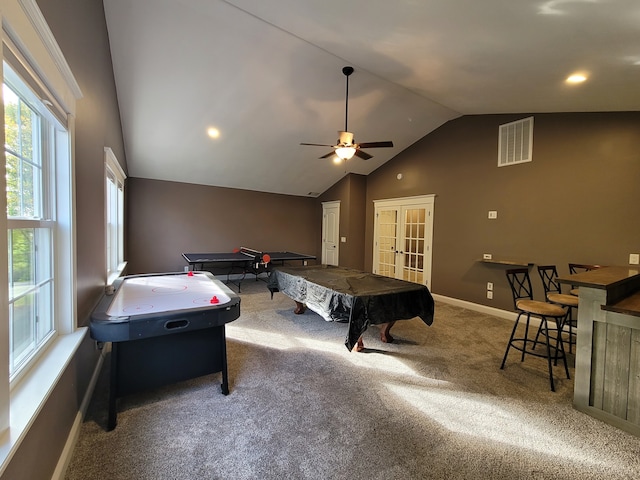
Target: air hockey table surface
<point>160,304</point>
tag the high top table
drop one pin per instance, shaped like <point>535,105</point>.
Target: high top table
<point>607,377</point>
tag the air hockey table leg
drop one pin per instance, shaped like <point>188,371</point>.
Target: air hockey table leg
<point>113,388</point>
<point>225,379</point>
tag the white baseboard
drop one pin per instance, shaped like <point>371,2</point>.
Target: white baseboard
<point>476,307</point>
<point>69,446</point>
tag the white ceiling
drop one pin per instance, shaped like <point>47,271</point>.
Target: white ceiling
<point>267,75</point>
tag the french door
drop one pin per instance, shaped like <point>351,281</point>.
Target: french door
<point>403,236</point>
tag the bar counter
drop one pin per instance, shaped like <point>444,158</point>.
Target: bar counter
<point>607,376</point>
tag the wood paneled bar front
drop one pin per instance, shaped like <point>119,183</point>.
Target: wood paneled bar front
<point>607,376</point>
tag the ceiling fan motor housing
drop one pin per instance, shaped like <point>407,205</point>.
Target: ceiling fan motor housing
<point>345,138</point>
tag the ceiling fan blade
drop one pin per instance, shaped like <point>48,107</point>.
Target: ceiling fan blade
<point>376,144</point>
<point>328,154</point>
<point>363,155</point>
<point>318,144</point>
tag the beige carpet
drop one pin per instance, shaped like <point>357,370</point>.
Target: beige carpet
<point>434,404</point>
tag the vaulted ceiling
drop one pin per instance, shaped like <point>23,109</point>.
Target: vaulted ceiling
<point>268,76</point>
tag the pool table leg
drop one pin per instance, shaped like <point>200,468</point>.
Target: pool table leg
<point>300,308</point>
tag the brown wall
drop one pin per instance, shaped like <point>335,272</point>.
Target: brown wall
<point>80,29</point>
<point>166,219</point>
<point>351,191</point>
<point>574,203</point>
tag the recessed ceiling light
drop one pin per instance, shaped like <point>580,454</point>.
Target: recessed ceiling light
<point>213,132</point>
<point>576,78</point>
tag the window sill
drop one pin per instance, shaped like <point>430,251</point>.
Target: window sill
<point>112,278</point>
<point>33,390</point>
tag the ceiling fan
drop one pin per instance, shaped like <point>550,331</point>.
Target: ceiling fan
<point>345,147</point>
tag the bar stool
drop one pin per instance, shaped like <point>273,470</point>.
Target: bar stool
<point>553,293</point>
<point>523,301</point>
<point>579,268</point>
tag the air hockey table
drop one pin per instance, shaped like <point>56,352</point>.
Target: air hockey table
<point>164,328</point>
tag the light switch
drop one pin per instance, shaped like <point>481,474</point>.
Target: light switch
<point>343,239</point>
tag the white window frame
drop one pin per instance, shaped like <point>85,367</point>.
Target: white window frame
<point>114,216</point>
<point>47,130</point>
<point>27,36</point>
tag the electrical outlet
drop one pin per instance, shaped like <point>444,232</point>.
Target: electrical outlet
<point>489,286</point>
<point>634,258</point>
<point>493,214</point>
<point>489,294</point>
<point>487,256</point>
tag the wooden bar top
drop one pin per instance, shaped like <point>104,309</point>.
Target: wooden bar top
<point>604,278</point>
<point>624,280</point>
<point>628,306</point>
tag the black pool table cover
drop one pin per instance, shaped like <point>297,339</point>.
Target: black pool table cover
<point>359,298</point>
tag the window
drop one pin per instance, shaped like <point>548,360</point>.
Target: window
<point>114,202</point>
<point>37,273</point>
<point>30,153</point>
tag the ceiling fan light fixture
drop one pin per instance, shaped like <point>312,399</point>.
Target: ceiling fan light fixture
<point>345,153</point>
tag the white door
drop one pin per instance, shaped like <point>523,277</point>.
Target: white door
<point>330,233</point>
<point>403,235</point>
<point>386,242</point>
<point>414,259</point>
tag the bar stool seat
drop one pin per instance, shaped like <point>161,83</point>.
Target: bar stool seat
<point>524,304</point>
<point>553,294</point>
<point>563,299</point>
<point>536,307</point>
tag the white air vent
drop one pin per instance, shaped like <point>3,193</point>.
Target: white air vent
<point>515,142</point>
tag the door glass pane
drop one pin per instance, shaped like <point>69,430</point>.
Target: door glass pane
<point>414,244</point>
<point>387,241</point>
